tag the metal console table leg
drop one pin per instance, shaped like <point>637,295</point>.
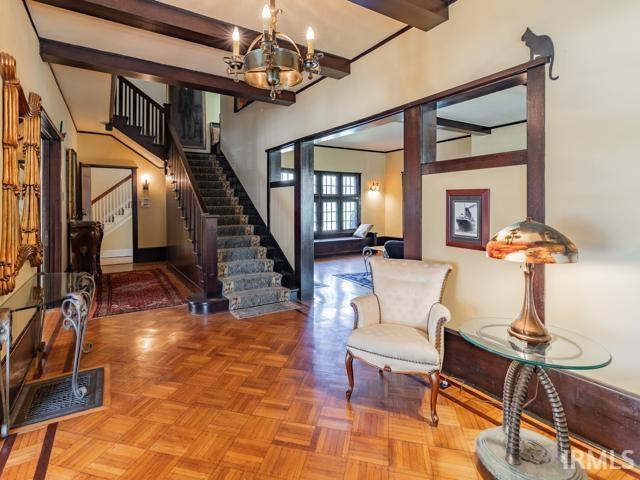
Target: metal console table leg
<point>511,452</point>
<point>75,312</point>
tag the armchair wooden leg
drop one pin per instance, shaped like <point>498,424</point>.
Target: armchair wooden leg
<point>348,362</point>
<point>434,379</point>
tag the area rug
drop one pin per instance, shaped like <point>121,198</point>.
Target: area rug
<point>263,310</point>
<point>126,292</point>
<point>362,278</point>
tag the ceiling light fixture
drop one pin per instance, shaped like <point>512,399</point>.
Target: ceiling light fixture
<point>266,64</point>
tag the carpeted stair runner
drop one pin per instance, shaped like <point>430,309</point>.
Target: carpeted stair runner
<point>247,275</point>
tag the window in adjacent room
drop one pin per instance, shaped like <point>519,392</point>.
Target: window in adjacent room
<point>286,174</point>
<point>337,202</point>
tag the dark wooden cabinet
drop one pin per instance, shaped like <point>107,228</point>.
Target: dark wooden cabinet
<point>85,240</point>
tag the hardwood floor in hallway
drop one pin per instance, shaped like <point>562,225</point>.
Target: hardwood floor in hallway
<point>213,398</point>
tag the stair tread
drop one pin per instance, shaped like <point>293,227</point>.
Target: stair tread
<point>257,291</point>
<point>247,260</point>
<point>251,276</point>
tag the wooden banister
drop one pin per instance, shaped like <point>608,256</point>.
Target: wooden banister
<point>140,92</point>
<point>194,251</point>
<point>111,189</point>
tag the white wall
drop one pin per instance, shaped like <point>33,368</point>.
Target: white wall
<point>592,142</point>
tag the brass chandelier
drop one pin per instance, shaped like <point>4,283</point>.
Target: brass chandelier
<point>269,66</point>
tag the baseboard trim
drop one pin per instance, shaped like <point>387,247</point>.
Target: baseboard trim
<point>152,254</point>
<point>597,413</point>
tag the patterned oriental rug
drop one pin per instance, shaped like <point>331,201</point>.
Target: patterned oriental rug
<point>362,278</point>
<point>126,292</point>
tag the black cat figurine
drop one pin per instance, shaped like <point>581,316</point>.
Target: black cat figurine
<point>540,46</point>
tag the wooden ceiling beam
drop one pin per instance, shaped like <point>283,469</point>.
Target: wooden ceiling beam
<point>464,127</point>
<point>422,14</point>
<point>60,53</point>
<point>176,22</point>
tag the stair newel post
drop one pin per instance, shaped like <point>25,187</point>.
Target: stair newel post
<point>209,259</point>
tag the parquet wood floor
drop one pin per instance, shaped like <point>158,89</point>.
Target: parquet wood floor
<point>215,398</point>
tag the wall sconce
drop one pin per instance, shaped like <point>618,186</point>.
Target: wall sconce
<point>375,187</point>
<point>145,202</point>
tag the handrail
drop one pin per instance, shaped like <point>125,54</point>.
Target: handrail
<point>140,110</point>
<point>140,92</point>
<point>111,189</point>
<point>192,179</point>
<point>200,225</point>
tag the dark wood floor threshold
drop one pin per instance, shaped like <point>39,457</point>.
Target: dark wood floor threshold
<point>45,453</point>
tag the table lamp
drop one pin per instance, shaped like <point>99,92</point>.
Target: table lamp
<point>530,242</point>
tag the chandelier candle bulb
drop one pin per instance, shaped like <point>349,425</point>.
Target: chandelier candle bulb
<point>236,42</point>
<point>310,38</point>
<point>266,18</point>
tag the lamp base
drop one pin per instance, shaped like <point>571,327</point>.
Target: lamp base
<point>528,327</point>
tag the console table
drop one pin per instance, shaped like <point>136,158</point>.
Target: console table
<point>509,452</point>
<point>21,326</point>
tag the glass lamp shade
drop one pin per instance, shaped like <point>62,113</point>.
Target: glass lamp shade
<point>532,242</point>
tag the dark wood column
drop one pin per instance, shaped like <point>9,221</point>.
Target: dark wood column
<point>303,212</point>
<point>419,148</point>
<point>536,77</point>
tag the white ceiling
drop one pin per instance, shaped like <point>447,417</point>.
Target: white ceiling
<point>503,107</point>
<point>87,93</point>
<point>341,27</point>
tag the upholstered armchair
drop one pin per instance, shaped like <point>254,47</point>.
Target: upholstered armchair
<point>400,326</point>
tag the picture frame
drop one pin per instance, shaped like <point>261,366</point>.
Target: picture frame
<point>72,184</point>
<point>188,116</point>
<point>468,218</point>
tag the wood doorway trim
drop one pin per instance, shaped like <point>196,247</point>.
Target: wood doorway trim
<point>51,182</point>
<point>134,200</point>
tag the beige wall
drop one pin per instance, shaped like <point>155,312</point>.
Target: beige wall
<point>106,150</point>
<point>18,39</point>
<point>392,190</point>
<point>102,179</point>
<point>282,220</point>
<point>478,286</point>
<point>505,139</point>
<point>591,144</point>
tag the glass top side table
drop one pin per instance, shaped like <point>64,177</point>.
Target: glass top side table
<point>528,454</point>
<point>74,294</point>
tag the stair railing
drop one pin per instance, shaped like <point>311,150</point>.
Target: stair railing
<point>106,206</point>
<point>140,109</point>
<point>202,227</point>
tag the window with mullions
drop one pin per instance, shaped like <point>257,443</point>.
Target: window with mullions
<point>286,174</point>
<point>337,202</point>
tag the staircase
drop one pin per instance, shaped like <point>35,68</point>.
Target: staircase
<point>138,116</point>
<point>251,268</point>
<point>113,207</point>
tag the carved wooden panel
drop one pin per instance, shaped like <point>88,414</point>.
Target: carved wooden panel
<point>20,228</point>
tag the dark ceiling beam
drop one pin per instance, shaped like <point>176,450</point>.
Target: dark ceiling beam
<point>176,22</point>
<point>464,127</point>
<point>422,14</point>
<point>74,56</point>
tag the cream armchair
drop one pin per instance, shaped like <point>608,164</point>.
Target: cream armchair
<point>400,326</point>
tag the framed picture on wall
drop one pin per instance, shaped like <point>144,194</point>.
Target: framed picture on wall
<point>188,116</point>
<point>72,184</point>
<point>468,218</point>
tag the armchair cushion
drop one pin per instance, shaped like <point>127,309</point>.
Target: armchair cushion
<point>401,348</point>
